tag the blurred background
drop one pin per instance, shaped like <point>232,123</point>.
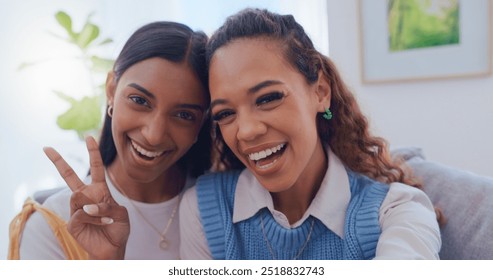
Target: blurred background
<point>45,80</point>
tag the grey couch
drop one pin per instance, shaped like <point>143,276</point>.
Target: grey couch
<point>466,200</point>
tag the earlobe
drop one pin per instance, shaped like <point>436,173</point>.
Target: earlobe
<point>324,92</point>
<point>110,87</point>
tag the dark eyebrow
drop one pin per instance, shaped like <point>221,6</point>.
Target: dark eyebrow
<point>192,106</point>
<point>217,102</point>
<point>262,85</point>
<point>182,106</point>
<point>143,90</point>
<point>251,90</point>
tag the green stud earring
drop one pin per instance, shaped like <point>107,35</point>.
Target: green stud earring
<point>328,114</point>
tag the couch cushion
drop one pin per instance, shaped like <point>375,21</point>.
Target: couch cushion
<point>466,200</point>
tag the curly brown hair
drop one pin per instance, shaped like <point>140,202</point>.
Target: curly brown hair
<point>348,133</point>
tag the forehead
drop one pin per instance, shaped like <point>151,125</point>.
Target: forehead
<point>248,52</point>
<point>246,62</point>
<point>165,78</point>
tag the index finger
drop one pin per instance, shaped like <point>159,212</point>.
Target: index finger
<point>68,174</point>
<point>95,160</point>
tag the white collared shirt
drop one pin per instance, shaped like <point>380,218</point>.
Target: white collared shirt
<point>407,217</point>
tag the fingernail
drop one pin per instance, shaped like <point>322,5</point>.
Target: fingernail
<point>106,220</point>
<point>91,209</point>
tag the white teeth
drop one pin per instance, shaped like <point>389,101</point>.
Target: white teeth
<point>265,153</point>
<point>146,152</point>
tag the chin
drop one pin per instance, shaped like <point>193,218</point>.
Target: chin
<point>274,185</point>
<point>142,177</point>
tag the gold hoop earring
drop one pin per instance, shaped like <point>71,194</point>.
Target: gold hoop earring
<point>110,111</point>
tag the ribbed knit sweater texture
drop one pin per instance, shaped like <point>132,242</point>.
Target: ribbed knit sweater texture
<point>261,237</point>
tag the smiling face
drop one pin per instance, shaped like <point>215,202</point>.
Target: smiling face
<point>267,112</point>
<point>158,110</point>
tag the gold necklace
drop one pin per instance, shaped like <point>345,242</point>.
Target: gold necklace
<point>269,246</point>
<point>163,241</point>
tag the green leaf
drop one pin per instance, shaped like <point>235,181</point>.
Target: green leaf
<point>101,64</point>
<point>65,97</point>
<point>82,116</point>
<point>88,34</point>
<point>66,22</point>
<point>106,41</point>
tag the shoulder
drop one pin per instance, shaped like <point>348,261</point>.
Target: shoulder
<point>215,178</point>
<point>217,183</point>
<point>364,187</point>
<point>60,203</point>
<point>188,202</point>
<point>410,205</point>
<point>400,193</point>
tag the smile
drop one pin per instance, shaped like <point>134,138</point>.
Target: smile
<point>265,153</point>
<point>266,159</point>
<point>146,153</point>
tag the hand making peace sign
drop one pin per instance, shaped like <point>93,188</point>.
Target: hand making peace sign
<point>97,222</point>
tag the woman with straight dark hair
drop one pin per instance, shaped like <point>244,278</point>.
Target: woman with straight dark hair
<point>154,143</point>
<point>306,179</point>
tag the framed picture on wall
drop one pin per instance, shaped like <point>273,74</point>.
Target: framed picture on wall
<point>425,39</point>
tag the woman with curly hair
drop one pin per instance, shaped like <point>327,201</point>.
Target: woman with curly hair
<point>303,176</point>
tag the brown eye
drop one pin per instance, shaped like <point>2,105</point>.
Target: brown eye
<point>139,100</point>
<point>222,115</point>
<point>270,97</point>
<point>186,116</point>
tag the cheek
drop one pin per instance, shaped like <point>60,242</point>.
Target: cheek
<point>123,121</point>
<point>229,137</point>
<point>185,136</point>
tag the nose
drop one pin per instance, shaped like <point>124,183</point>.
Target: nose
<point>249,127</point>
<point>156,130</point>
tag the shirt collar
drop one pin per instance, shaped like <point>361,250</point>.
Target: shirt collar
<point>329,205</point>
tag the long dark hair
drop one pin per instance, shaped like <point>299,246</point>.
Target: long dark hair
<point>175,42</point>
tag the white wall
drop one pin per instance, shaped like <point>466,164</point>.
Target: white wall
<point>451,120</point>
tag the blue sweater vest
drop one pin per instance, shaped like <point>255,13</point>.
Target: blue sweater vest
<point>247,239</point>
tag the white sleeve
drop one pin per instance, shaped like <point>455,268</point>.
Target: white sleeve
<point>409,226</point>
<point>193,244</point>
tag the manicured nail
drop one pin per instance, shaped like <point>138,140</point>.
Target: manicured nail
<point>91,209</point>
<point>106,220</point>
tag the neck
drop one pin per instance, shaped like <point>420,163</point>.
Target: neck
<point>166,186</point>
<point>295,201</point>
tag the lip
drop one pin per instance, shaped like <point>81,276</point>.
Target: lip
<point>143,162</point>
<point>147,152</point>
<point>271,167</point>
<point>266,153</point>
<point>259,148</point>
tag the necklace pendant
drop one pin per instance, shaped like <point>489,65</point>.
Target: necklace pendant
<point>163,243</point>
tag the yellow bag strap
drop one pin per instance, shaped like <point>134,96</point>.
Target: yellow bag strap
<point>71,248</point>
